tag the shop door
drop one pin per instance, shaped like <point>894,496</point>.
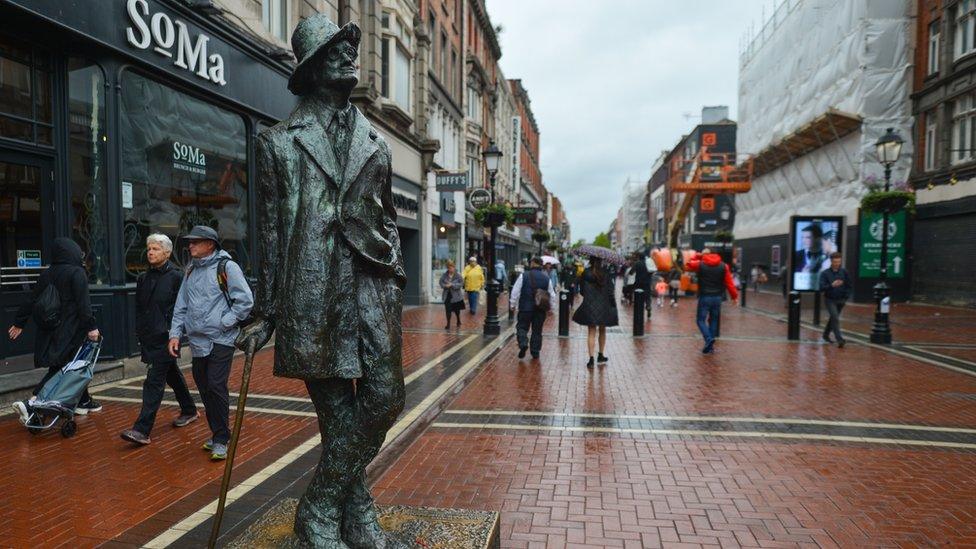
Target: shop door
<point>26,226</point>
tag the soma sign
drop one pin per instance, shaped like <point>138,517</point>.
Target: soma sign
<point>171,38</point>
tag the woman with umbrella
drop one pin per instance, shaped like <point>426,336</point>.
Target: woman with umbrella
<point>598,309</point>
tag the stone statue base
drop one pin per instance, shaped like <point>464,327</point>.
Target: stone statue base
<point>407,527</point>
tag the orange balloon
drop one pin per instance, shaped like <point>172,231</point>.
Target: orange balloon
<point>662,258</point>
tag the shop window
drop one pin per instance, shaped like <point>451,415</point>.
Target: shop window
<point>933,64</point>
<point>965,22</point>
<point>86,164</point>
<point>184,163</point>
<point>25,93</point>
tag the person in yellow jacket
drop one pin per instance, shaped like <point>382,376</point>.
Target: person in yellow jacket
<point>474,282</point>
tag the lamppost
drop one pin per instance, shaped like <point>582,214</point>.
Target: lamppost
<point>492,155</point>
<point>888,148</point>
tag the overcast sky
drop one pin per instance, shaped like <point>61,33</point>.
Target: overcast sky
<point>610,82</point>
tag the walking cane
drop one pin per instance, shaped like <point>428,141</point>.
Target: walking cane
<point>232,449</point>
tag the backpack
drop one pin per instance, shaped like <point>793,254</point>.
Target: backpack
<point>539,295</point>
<point>47,308</point>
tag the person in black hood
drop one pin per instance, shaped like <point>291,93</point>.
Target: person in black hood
<point>156,291</point>
<point>54,348</point>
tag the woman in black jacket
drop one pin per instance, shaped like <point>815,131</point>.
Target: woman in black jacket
<point>598,309</point>
<point>156,291</point>
<point>54,348</point>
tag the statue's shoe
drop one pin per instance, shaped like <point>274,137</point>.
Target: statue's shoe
<point>367,535</point>
<point>316,529</point>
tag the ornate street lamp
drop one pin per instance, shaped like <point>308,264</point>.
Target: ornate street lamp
<point>492,155</point>
<point>889,149</point>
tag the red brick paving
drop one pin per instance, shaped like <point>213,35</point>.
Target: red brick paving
<point>634,490</point>
<point>94,487</point>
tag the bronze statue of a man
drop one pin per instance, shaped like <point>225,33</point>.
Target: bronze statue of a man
<point>331,279</point>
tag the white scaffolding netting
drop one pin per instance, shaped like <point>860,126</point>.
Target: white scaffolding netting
<point>852,56</point>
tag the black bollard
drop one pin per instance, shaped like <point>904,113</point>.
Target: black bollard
<point>793,321</point>
<point>816,309</point>
<point>564,313</point>
<point>638,312</point>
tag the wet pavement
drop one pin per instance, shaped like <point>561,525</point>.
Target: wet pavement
<point>764,443</point>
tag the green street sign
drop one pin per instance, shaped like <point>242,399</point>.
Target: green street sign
<point>869,260</point>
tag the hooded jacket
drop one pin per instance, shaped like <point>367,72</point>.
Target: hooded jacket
<point>710,262</point>
<point>54,348</point>
<point>201,312</point>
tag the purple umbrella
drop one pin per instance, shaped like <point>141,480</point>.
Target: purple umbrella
<point>600,252</point>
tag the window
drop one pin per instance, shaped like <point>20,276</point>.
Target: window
<point>933,64</point>
<point>474,166</point>
<point>25,93</point>
<point>274,17</point>
<point>443,73</point>
<point>180,175</point>
<point>964,27</point>
<point>86,165</point>
<point>402,96</point>
<point>385,68</point>
<point>455,79</point>
<point>474,105</point>
<point>931,144</point>
<point>431,24</point>
<point>963,127</point>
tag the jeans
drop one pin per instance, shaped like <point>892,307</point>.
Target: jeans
<point>473,301</point>
<point>533,320</point>
<point>709,306</point>
<point>834,307</point>
<point>160,374</point>
<point>210,373</point>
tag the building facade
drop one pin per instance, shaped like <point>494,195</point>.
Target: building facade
<point>944,164</point>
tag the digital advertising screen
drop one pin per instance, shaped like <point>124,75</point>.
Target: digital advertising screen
<point>812,240</point>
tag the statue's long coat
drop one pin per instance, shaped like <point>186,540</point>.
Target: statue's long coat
<point>331,277</point>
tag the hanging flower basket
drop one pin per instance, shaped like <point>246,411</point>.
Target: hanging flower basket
<point>494,215</point>
<point>540,236</point>
<point>724,236</point>
<point>889,201</point>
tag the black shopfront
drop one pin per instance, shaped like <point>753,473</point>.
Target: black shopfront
<point>121,118</point>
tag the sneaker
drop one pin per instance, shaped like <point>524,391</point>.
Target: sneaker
<point>535,356</point>
<point>91,406</point>
<point>709,348</point>
<point>23,410</point>
<point>590,363</point>
<point>185,419</point>
<point>207,446</point>
<point>827,339</point>
<point>219,452</point>
<point>522,351</point>
<point>134,437</point>
<point>601,358</point>
<point>841,343</point>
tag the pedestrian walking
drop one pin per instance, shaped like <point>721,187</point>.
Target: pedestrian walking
<point>500,273</point>
<point>156,291</point>
<point>714,280</point>
<point>643,280</point>
<point>567,277</point>
<point>598,309</point>
<point>533,296</point>
<point>836,286</point>
<point>674,285</point>
<point>61,308</point>
<point>212,302</point>
<point>453,297</point>
<point>474,282</point>
<point>661,288</point>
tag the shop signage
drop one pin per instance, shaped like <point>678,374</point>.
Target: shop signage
<point>170,37</point>
<point>526,215</point>
<point>480,198</point>
<point>126,194</point>
<point>869,258</point>
<point>812,240</point>
<point>448,207</point>
<point>516,152</point>
<point>27,259</point>
<point>406,205</point>
<point>189,158</point>
<point>451,181</point>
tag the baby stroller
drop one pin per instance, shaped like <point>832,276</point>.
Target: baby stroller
<point>56,401</point>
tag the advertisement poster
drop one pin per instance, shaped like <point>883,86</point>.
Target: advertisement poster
<point>812,240</point>
<point>869,258</point>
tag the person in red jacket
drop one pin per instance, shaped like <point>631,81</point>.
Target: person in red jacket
<point>714,279</point>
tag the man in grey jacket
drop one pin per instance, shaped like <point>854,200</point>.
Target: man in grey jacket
<point>209,316</point>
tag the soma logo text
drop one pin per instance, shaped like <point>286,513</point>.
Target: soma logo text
<point>170,37</point>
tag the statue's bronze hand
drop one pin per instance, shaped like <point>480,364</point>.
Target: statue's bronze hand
<point>260,331</point>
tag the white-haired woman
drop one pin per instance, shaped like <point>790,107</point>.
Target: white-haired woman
<point>156,291</point>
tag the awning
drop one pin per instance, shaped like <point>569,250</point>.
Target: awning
<point>826,128</point>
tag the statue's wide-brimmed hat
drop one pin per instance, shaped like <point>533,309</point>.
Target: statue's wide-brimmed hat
<point>312,36</point>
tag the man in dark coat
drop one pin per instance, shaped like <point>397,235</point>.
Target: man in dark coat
<point>522,299</point>
<point>332,279</point>
<point>156,291</point>
<point>54,348</point>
